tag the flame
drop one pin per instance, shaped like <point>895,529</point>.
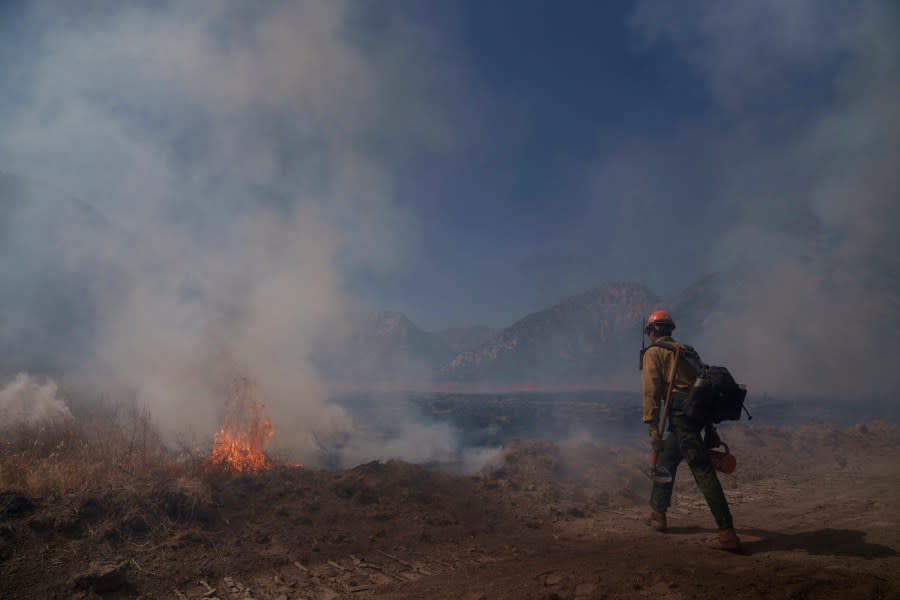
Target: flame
<point>241,442</point>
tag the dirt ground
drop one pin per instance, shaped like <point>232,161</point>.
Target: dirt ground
<point>814,505</point>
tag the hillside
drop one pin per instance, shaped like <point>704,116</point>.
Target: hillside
<point>593,335</point>
<point>465,338</point>
<point>382,347</point>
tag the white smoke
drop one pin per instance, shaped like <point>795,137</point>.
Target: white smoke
<point>242,159</point>
<point>792,181</point>
<point>26,401</point>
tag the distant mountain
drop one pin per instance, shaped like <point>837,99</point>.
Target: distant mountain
<point>48,318</point>
<point>593,336</point>
<point>697,305</point>
<point>382,347</point>
<point>462,339</point>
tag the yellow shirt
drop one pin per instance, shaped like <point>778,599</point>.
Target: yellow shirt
<point>657,366</point>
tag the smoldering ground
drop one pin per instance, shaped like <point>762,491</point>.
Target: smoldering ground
<point>234,167</point>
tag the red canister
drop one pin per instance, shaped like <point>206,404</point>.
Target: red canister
<point>723,461</point>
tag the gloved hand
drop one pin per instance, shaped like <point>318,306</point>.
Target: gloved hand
<point>656,441</point>
<point>711,437</point>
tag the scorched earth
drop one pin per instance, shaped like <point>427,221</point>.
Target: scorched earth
<point>813,504</point>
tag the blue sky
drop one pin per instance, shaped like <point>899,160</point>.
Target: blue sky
<point>523,214</point>
<point>555,88</point>
<point>472,161</point>
<point>211,187</point>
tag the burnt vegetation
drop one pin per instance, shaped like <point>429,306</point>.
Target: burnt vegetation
<point>99,505</point>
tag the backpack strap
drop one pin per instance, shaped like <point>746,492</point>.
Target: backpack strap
<point>687,353</point>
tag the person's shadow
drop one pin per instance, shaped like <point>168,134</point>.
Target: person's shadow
<point>822,542</point>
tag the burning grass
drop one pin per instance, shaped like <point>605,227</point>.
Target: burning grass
<point>110,449</point>
<point>107,475</point>
<point>240,445</point>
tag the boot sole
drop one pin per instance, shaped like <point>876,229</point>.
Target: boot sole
<point>715,545</point>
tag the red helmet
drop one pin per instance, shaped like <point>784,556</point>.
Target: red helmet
<point>659,317</point>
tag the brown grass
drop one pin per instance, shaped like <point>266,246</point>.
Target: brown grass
<point>93,451</point>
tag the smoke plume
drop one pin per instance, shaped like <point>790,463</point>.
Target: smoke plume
<point>211,176</point>
<point>25,401</point>
<point>792,184</point>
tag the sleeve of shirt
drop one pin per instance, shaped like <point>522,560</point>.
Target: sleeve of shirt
<point>653,382</point>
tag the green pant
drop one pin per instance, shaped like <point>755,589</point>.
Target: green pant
<point>684,442</point>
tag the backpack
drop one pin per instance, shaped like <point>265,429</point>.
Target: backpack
<point>715,395</point>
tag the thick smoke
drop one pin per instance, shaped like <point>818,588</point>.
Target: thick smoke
<point>26,401</point>
<point>213,175</point>
<point>240,160</point>
<point>792,185</point>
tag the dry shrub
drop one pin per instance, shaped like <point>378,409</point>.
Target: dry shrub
<point>104,474</point>
<point>93,451</point>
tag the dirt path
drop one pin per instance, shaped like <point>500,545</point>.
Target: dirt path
<point>833,536</point>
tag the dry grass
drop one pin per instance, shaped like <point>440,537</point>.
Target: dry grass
<point>93,451</point>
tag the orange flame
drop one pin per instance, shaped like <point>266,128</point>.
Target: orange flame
<point>241,442</point>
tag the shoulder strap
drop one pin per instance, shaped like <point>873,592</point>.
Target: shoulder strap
<point>670,346</point>
<point>687,353</point>
<point>665,345</point>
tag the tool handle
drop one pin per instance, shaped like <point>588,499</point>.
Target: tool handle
<point>665,411</point>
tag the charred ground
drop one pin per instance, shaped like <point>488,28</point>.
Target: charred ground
<point>84,513</point>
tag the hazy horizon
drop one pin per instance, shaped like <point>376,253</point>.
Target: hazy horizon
<point>259,170</point>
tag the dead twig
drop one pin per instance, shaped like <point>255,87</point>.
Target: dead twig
<point>399,560</point>
<point>209,589</point>
<point>143,570</point>
<point>381,569</point>
<point>404,563</point>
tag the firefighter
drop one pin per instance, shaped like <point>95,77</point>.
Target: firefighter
<point>684,440</point>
